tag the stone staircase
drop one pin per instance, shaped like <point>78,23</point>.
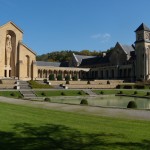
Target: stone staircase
<point>28,94</point>
<point>26,90</point>
<point>24,85</point>
<point>89,92</point>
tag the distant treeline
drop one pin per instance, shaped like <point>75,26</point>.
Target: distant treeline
<point>65,55</point>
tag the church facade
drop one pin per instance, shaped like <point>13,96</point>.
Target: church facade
<point>131,63</point>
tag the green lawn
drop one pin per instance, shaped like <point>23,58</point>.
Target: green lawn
<point>27,128</point>
<point>12,94</point>
<point>124,91</point>
<point>36,85</point>
<point>60,93</point>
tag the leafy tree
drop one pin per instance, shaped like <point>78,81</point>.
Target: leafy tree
<point>51,77</point>
<point>67,78</point>
<point>66,55</point>
<point>59,77</point>
<point>75,78</point>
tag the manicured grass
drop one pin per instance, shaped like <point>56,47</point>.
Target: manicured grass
<point>35,85</point>
<point>14,94</point>
<point>126,92</point>
<point>27,128</point>
<point>60,93</point>
<point>105,92</point>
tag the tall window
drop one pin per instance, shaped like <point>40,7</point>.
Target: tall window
<point>28,65</point>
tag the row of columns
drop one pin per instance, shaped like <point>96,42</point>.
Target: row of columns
<point>114,73</point>
<point>43,73</point>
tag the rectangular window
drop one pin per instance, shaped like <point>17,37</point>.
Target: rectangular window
<point>9,73</point>
<point>5,73</point>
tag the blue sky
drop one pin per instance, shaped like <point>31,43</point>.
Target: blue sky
<point>53,25</point>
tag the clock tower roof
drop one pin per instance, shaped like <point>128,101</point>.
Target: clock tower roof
<point>142,27</point>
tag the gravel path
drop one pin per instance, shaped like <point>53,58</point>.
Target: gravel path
<point>99,111</point>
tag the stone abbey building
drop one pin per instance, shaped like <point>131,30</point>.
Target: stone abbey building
<point>124,62</point>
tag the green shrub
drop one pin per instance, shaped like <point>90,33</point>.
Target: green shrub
<point>59,77</point>
<point>67,82</point>
<point>12,94</point>
<point>118,87</point>
<point>75,78</point>
<point>84,102</point>
<point>132,104</point>
<point>148,93</point>
<point>45,80</point>
<point>47,99</point>
<point>43,94</point>
<point>88,82</point>
<point>80,92</point>
<point>108,82</point>
<point>61,84</point>
<point>67,78</point>
<point>120,92</point>
<point>101,92</point>
<point>51,77</point>
<point>135,92</point>
<point>62,93</point>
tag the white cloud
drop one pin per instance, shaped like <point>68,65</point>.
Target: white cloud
<point>102,37</point>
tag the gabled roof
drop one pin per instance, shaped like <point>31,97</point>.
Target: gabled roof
<point>10,22</point>
<point>142,27</point>
<point>80,57</point>
<point>98,60</point>
<point>27,47</point>
<point>126,48</point>
<point>43,63</point>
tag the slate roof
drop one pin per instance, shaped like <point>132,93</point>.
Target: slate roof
<point>95,61</point>
<point>142,27</point>
<point>43,63</point>
<point>79,58</point>
<point>127,49</point>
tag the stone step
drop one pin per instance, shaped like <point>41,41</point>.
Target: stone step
<point>29,95</point>
<point>27,92</point>
<point>89,92</point>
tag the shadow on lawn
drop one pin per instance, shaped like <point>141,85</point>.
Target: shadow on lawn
<point>58,137</point>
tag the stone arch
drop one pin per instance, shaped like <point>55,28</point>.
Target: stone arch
<point>39,72</point>
<point>11,67</point>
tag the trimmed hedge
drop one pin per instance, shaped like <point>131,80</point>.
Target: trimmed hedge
<point>47,99</point>
<point>84,102</point>
<point>88,82</point>
<point>59,77</point>
<point>80,93</point>
<point>67,78</point>
<point>75,78</point>
<point>51,77</point>
<point>132,104</point>
<point>45,80</point>
<point>102,92</point>
<point>62,93</point>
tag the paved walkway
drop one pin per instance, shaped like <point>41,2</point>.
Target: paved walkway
<point>99,111</point>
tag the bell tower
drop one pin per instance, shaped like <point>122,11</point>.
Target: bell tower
<point>142,50</point>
